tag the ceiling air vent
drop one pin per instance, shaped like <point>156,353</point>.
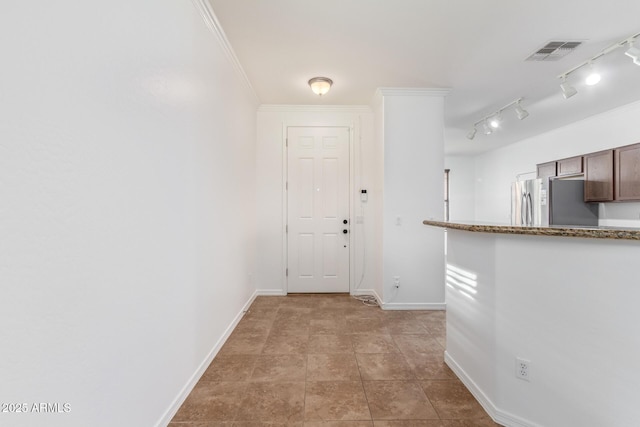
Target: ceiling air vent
<point>554,50</point>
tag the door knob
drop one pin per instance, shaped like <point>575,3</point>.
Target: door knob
<point>345,231</point>
<point>344,221</point>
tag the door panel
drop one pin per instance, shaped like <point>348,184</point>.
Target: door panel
<point>330,175</point>
<point>305,193</point>
<point>305,255</point>
<point>318,203</point>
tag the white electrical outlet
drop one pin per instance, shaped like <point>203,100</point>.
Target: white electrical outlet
<point>396,281</point>
<point>523,369</point>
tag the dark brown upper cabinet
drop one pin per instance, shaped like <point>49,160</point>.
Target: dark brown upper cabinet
<point>546,170</point>
<point>598,176</point>
<point>627,172</point>
<point>570,166</point>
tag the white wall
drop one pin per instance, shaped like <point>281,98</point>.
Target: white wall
<point>462,179</point>
<point>574,317</point>
<point>413,191</point>
<point>127,187</point>
<point>272,121</point>
<point>496,169</point>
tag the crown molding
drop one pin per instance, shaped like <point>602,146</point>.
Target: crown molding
<point>274,108</point>
<point>212,23</point>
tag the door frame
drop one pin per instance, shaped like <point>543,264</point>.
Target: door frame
<point>285,197</point>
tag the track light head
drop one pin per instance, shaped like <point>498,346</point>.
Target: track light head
<point>495,120</point>
<point>521,112</point>
<point>472,133</point>
<point>633,53</point>
<point>593,78</point>
<point>567,90</point>
<point>486,128</point>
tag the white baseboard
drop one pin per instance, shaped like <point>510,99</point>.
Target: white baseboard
<point>186,390</point>
<point>501,417</point>
<point>270,292</point>
<point>399,305</point>
<point>413,306</point>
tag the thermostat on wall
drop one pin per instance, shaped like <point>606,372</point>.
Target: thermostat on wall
<point>363,195</point>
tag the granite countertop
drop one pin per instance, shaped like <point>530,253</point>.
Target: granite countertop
<point>559,231</point>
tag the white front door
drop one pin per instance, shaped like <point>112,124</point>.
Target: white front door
<point>318,207</point>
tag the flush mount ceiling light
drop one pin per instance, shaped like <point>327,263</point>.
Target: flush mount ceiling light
<point>320,85</point>
<point>593,78</point>
<point>492,121</point>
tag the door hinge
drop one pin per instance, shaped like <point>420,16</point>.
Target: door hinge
<point>287,272</point>
<point>286,142</point>
<point>286,185</point>
<point>286,228</point>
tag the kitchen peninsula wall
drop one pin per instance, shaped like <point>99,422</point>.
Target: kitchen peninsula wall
<point>494,171</point>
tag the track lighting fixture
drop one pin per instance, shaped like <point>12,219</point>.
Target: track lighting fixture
<point>567,90</point>
<point>492,121</point>
<point>521,112</point>
<point>633,52</point>
<point>486,127</point>
<point>495,120</point>
<point>593,78</point>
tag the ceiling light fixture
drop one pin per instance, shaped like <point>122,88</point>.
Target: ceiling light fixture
<point>486,128</point>
<point>593,78</point>
<point>521,112</point>
<point>495,120</point>
<point>633,52</point>
<point>320,85</point>
<point>492,121</point>
<point>567,90</point>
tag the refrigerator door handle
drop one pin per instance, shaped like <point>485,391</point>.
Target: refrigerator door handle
<point>529,209</point>
<point>523,209</point>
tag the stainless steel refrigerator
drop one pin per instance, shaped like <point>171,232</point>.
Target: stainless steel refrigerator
<point>529,205</point>
<point>559,201</point>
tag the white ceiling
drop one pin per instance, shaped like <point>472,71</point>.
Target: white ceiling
<point>475,47</point>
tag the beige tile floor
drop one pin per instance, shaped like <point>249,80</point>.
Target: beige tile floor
<point>329,360</point>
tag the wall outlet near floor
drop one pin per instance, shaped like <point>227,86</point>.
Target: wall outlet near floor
<point>523,369</point>
<point>396,281</point>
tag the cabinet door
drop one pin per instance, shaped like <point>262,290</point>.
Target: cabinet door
<point>627,172</point>
<point>570,166</point>
<point>546,170</point>
<point>598,176</point>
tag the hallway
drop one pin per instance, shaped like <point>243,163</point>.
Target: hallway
<point>330,360</point>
